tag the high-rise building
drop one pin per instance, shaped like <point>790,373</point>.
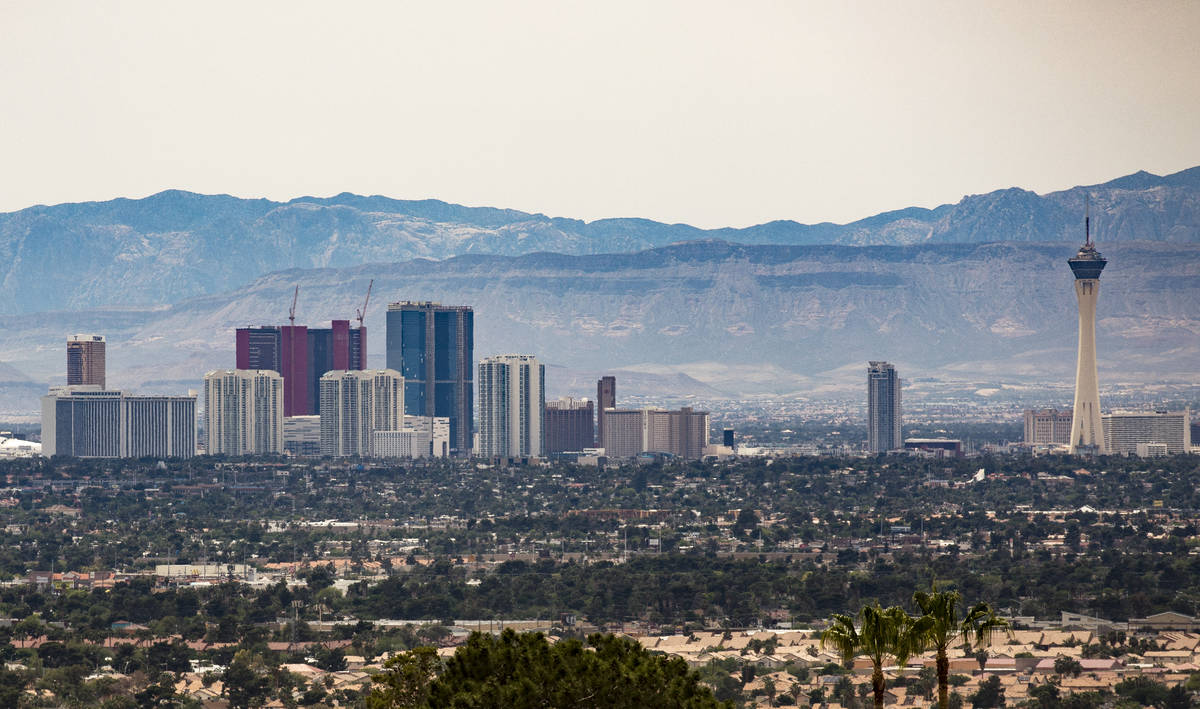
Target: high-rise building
<point>1047,427</point>
<point>302,355</point>
<point>432,346</point>
<point>629,432</point>
<point>336,348</point>
<point>302,435</point>
<point>421,437</point>
<point>687,433</point>
<point>624,432</point>
<point>606,398</point>
<point>356,404</point>
<point>243,412</point>
<point>512,405</point>
<point>570,425</point>
<point>259,348</point>
<point>158,426</point>
<point>1087,433</point>
<point>1124,432</point>
<point>81,421</point>
<point>883,408</point>
<point>89,422</point>
<point>85,360</point>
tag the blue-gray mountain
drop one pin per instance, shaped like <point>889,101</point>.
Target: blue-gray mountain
<point>176,245</point>
<point>795,320</point>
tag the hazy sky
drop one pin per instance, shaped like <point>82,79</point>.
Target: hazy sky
<point>708,113</point>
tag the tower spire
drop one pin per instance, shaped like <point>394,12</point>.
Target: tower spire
<point>1087,219</point>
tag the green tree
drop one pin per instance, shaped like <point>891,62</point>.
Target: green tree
<point>1177,698</point>
<point>945,629</point>
<point>1045,696</point>
<point>882,633</point>
<point>405,680</point>
<point>160,694</point>
<point>12,684</point>
<point>246,682</point>
<point>1142,690</point>
<point>524,670</point>
<point>1085,700</point>
<point>989,695</point>
<point>1064,666</point>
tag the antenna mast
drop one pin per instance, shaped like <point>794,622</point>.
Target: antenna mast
<point>292,310</point>
<point>1087,219</point>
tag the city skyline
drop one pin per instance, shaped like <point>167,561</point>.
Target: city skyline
<point>739,350</point>
<point>243,410</point>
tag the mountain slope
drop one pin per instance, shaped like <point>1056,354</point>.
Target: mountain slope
<point>175,245</point>
<point>742,319</point>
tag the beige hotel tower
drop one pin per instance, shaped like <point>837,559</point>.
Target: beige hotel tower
<point>1087,431</point>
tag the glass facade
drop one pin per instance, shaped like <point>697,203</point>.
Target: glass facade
<point>432,346</point>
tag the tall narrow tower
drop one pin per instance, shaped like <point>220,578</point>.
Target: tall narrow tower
<point>883,408</point>
<point>512,406</point>
<point>1087,432</point>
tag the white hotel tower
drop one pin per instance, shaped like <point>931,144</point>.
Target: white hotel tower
<point>512,406</point>
<point>1087,432</point>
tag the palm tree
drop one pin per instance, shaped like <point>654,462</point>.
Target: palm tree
<point>882,633</point>
<point>945,629</point>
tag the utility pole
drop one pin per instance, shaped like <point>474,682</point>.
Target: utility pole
<point>296,619</point>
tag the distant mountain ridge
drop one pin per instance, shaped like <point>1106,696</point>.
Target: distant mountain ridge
<point>176,245</point>
<point>739,319</point>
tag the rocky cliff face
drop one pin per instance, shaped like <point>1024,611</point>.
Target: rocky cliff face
<point>794,320</point>
<point>177,245</point>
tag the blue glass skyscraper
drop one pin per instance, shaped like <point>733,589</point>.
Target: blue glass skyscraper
<point>433,346</point>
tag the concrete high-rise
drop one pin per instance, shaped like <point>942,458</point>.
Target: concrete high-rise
<point>624,432</point>
<point>570,425</point>
<point>86,421</point>
<point>883,408</point>
<point>1124,432</point>
<point>1047,427</point>
<point>1087,432</point>
<point>629,432</point>
<point>356,404</point>
<point>432,346</point>
<point>606,398</point>
<point>243,412</point>
<point>85,360</point>
<point>421,437</point>
<point>512,406</point>
<point>158,426</point>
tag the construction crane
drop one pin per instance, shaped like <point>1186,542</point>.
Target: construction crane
<point>363,313</point>
<point>292,311</point>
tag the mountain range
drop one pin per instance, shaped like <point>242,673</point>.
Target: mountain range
<point>175,245</point>
<point>732,320</point>
<point>971,297</point>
